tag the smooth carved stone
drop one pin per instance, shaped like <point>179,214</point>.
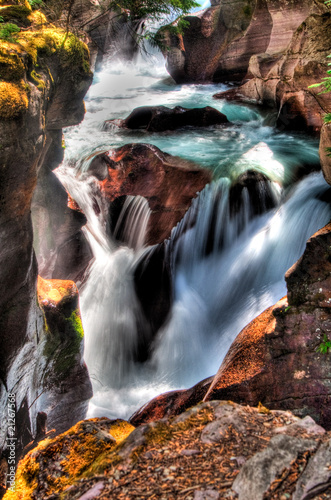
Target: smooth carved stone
<point>220,41</point>
<point>167,182</point>
<point>259,472</point>
<point>282,79</point>
<point>170,403</point>
<point>161,118</point>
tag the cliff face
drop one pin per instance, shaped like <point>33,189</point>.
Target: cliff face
<point>44,77</point>
<point>220,40</point>
<point>280,47</point>
<point>282,80</point>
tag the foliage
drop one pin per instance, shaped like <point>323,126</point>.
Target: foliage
<point>9,31</point>
<point>35,4</point>
<point>324,346</point>
<point>155,10</point>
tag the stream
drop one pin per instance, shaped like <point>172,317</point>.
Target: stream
<point>216,292</point>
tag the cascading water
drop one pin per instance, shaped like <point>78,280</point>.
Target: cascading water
<point>226,269</point>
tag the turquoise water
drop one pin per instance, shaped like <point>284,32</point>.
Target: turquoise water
<point>215,295</point>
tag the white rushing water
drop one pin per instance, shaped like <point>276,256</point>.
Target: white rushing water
<point>217,290</point>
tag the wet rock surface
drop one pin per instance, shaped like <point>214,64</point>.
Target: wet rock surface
<point>214,450</point>
<point>161,118</point>
<point>168,183</point>
<point>282,344</point>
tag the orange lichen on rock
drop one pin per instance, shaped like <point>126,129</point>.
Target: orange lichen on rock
<point>13,100</point>
<point>69,457</point>
<point>248,345</point>
<point>54,291</point>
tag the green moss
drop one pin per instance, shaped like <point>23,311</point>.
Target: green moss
<point>247,10</point>
<point>37,78</point>
<point>79,453</point>
<point>63,344</point>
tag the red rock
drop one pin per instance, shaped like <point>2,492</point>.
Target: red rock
<point>221,40</point>
<point>168,183</point>
<point>170,403</point>
<point>274,360</point>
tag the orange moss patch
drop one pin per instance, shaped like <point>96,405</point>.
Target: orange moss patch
<point>37,18</point>
<point>13,100</point>
<point>54,291</point>
<point>11,65</point>
<point>69,457</point>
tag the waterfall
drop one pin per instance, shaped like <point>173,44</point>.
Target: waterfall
<point>227,256</point>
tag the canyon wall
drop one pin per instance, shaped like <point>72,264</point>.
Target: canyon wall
<point>275,49</point>
<point>44,77</point>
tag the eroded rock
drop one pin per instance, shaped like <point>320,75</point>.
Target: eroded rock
<point>168,183</point>
<point>281,80</point>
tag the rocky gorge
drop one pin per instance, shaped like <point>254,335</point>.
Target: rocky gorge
<point>274,51</point>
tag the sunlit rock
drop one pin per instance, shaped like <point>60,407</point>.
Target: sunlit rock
<point>278,359</point>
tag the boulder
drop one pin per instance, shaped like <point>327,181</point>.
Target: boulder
<point>284,344</point>
<point>161,118</point>
<point>170,403</point>
<point>167,182</point>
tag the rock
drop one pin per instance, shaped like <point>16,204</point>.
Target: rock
<point>61,248</point>
<point>195,55</point>
<point>259,472</point>
<point>309,279</point>
<point>170,403</point>
<point>153,286</point>
<point>220,41</point>
<point>161,118</point>
<point>281,80</point>
<point>110,458</point>
<point>60,365</point>
<point>281,345</point>
<point>51,86</point>
<point>206,495</point>
<point>307,424</point>
<point>57,463</point>
<point>325,159</point>
<point>259,190</point>
<point>317,475</point>
<point>168,183</point>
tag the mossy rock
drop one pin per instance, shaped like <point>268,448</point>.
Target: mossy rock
<point>16,13</point>
<point>73,455</point>
<point>13,100</point>
<point>11,65</point>
<point>25,3</point>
